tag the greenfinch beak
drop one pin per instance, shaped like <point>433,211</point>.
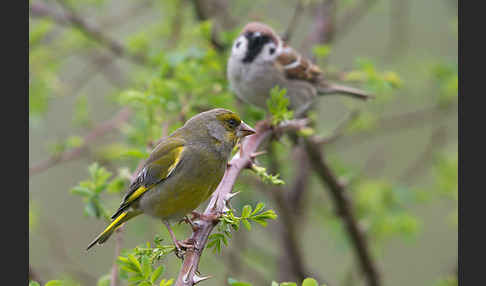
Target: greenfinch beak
<point>244,130</point>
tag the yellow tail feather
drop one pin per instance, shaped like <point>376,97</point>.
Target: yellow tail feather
<point>123,217</point>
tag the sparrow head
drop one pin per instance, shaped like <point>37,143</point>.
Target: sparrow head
<point>257,43</point>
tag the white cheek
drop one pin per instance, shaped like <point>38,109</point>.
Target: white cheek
<point>269,52</point>
<point>239,47</point>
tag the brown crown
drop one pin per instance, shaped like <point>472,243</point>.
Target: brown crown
<point>262,28</point>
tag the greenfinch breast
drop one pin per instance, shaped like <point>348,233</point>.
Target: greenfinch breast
<point>182,171</point>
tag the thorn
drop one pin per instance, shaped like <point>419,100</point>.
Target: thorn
<point>196,279</point>
<point>185,278</point>
<point>229,196</point>
<point>256,154</point>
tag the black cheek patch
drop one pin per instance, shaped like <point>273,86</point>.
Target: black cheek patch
<point>255,46</point>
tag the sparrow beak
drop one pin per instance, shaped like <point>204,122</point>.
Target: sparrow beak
<point>244,130</point>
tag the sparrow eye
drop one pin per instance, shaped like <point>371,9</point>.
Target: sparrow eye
<point>272,50</point>
<point>238,44</point>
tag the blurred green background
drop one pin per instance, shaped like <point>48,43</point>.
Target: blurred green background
<point>406,140</point>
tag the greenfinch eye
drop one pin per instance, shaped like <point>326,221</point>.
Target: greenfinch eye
<point>233,123</point>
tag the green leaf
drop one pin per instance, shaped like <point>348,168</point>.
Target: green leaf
<point>104,280</point>
<point>278,105</point>
<point>309,282</point>
<point>82,191</point>
<point>157,273</point>
<point>135,262</point>
<point>246,211</point>
<point>146,267</point>
<point>33,283</point>
<point>258,208</point>
<point>321,51</point>
<point>90,209</point>
<point>274,283</point>
<point>246,224</point>
<point>169,282</point>
<point>234,282</point>
<point>54,283</point>
<point>288,284</point>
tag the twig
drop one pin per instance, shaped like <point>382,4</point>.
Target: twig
<point>101,130</point>
<point>345,210</point>
<point>118,246</point>
<point>353,16</point>
<point>399,36</point>
<point>437,139</point>
<point>217,204</point>
<point>71,18</point>
<point>34,276</point>
<point>287,35</point>
<point>396,123</point>
<point>338,131</point>
<point>217,9</point>
<point>292,262</point>
<point>323,25</point>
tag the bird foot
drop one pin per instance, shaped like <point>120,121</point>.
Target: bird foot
<point>181,246</point>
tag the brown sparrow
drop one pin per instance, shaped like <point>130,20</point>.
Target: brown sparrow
<point>260,59</point>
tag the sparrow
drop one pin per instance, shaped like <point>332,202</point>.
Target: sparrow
<point>181,172</point>
<point>260,60</point>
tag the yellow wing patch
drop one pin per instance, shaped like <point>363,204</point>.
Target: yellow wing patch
<point>136,194</point>
<point>143,189</point>
<point>178,152</point>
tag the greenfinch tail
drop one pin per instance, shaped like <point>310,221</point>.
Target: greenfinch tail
<point>116,223</point>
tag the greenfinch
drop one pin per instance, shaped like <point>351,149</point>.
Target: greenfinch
<point>182,171</point>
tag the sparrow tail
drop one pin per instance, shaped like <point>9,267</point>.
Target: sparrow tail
<point>346,90</point>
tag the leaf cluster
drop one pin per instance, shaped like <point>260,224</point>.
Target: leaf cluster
<point>229,222</point>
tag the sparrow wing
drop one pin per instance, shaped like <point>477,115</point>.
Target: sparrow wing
<point>296,66</point>
<point>162,162</point>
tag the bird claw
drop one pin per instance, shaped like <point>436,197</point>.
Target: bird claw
<point>181,246</point>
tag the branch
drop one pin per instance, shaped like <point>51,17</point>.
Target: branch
<point>207,222</point>
<point>34,276</point>
<point>118,245</point>
<point>217,9</point>
<point>396,123</point>
<point>287,35</point>
<point>101,130</point>
<point>70,18</point>
<point>323,26</point>
<point>345,211</point>
<point>338,131</point>
<point>353,16</point>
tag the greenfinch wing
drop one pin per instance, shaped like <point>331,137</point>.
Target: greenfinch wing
<point>162,161</point>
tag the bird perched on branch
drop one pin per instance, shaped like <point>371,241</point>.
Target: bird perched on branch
<point>260,59</point>
<point>182,171</point>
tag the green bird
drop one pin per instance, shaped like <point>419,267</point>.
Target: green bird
<point>182,171</point>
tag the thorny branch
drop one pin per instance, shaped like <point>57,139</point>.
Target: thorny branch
<point>217,205</point>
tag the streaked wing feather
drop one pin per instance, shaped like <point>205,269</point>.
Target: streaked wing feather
<point>162,161</point>
<point>295,66</point>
